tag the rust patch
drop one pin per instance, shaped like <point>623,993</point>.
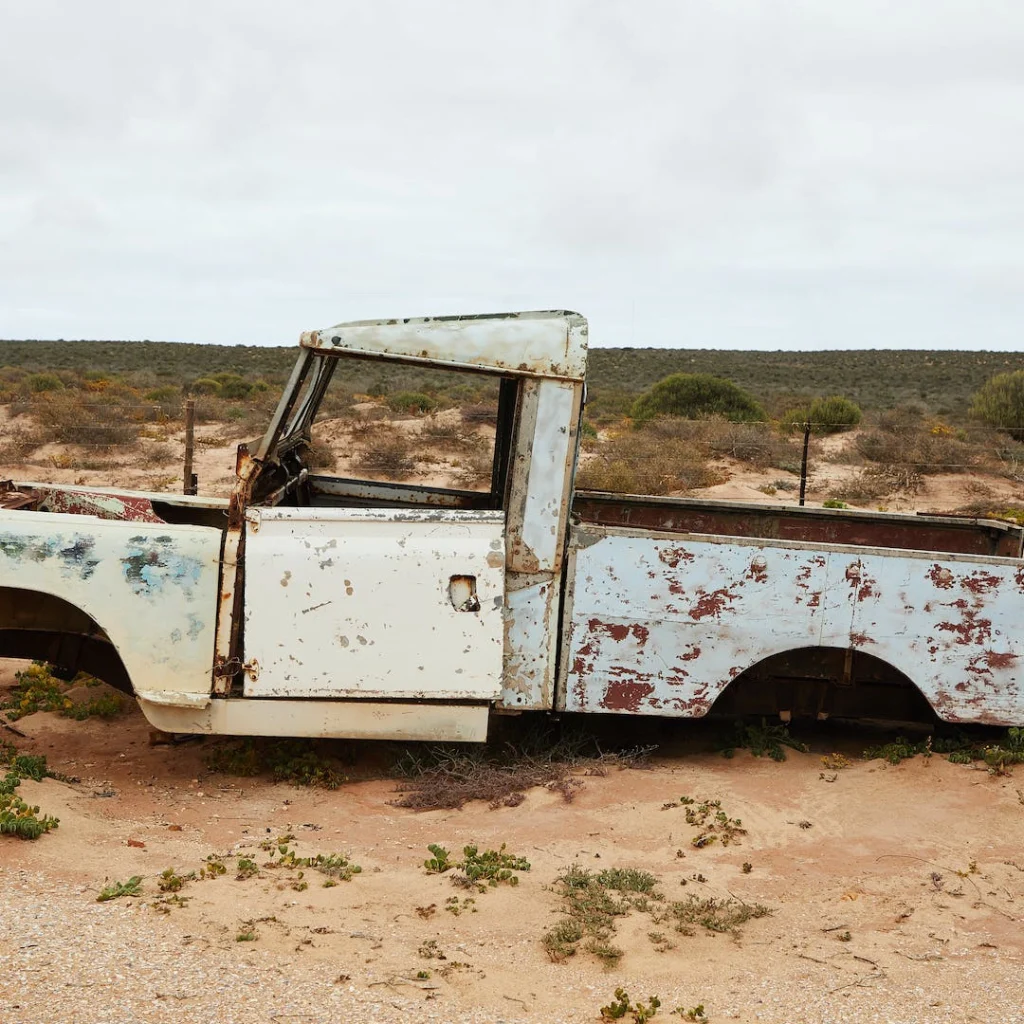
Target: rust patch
<point>971,630</point>
<point>673,556</point>
<point>625,696</point>
<point>980,583</point>
<point>711,604</point>
<point>860,639</point>
<point>691,655</point>
<point>1000,659</point>
<point>814,600</point>
<point>941,577</point>
<point>758,571</point>
<point>860,581</point>
<point>619,631</point>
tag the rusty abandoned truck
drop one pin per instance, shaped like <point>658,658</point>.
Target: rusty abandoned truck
<point>316,605</point>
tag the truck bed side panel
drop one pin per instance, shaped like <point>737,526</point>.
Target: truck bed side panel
<point>661,624</point>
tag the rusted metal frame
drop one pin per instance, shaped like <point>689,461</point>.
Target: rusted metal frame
<point>380,492</point>
<point>290,485</point>
<point>12,497</point>
<point>733,519</point>
<point>229,609</point>
<point>566,360</point>
<point>284,407</point>
<point>505,439</point>
<point>301,421</point>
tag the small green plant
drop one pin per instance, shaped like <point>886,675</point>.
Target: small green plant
<point>761,740</point>
<point>246,869</point>
<point>38,689</point>
<point>335,865</point>
<point>423,975</point>
<point>562,940</point>
<point>834,503</point>
<point>694,1013</point>
<point>439,862</point>
<point>479,869</point>
<point>844,937</point>
<point>456,907</point>
<point>900,749</point>
<point>18,818</point>
<point>298,762</point>
<point>835,762</point>
<point>171,881</point>
<point>247,934</point>
<point>714,824</point>
<point>430,950</point>
<point>214,867</point>
<point>747,867</point>
<point>133,887</point>
<point>712,914</point>
<point>621,1006</point>
<point>592,902</point>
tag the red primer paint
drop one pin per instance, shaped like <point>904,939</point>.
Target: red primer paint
<point>941,577</point>
<point>981,583</point>
<point>625,696</point>
<point>673,556</point>
<point>712,604</point>
<point>971,630</point>
<point>1000,659</point>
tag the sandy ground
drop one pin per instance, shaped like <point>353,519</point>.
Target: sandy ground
<point>922,864</point>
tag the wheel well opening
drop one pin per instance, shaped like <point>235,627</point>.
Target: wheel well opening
<point>43,627</point>
<point>825,682</point>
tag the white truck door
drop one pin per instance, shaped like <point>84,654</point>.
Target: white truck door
<point>370,602</point>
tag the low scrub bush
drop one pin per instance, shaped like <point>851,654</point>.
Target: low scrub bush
<point>693,395</point>
<point>647,462</point>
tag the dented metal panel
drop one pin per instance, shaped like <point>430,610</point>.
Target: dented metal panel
<point>539,344</point>
<point>151,587</point>
<point>660,625</point>
<point>399,604</point>
<point>531,643</point>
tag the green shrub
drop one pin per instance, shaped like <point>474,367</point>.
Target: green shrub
<point>695,395</point>
<point>204,386</point>
<point>825,415</point>
<point>833,414</point>
<point>412,402</point>
<point>41,382</point>
<point>1000,403</point>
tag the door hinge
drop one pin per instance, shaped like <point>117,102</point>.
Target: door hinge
<point>233,666</point>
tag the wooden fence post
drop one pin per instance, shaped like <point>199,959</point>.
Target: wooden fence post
<point>190,481</point>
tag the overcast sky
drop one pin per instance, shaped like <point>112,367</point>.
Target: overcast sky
<point>825,174</point>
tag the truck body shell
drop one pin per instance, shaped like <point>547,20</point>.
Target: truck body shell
<point>312,605</point>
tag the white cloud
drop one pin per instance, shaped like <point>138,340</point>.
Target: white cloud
<point>750,174</point>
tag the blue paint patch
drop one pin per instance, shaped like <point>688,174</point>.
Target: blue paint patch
<point>152,564</point>
<point>195,626</point>
<point>32,549</point>
<point>175,636</point>
<point>74,557</point>
<point>77,556</point>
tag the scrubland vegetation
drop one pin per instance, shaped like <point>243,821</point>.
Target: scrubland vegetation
<point>658,421</point>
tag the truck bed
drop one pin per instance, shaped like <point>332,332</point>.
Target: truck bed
<point>672,601</point>
<point>922,532</point>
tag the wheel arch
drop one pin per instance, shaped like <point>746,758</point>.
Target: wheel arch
<point>41,626</point>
